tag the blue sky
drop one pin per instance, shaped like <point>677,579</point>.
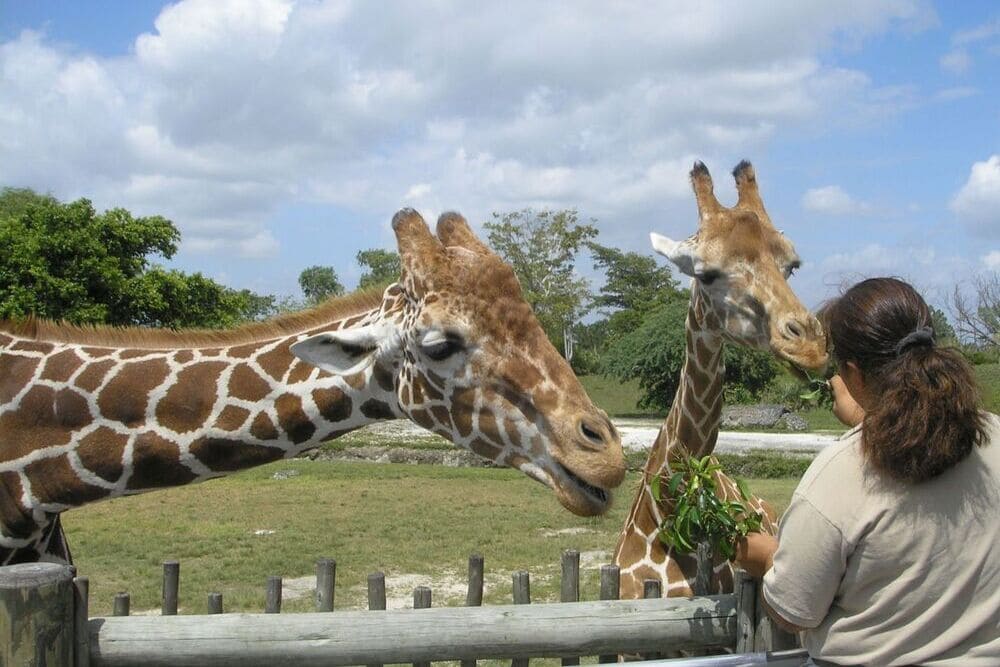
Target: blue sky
<point>278,135</point>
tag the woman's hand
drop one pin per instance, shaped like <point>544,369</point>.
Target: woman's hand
<point>755,553</point>
<point>845,408</point>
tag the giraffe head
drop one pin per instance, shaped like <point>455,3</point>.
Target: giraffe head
<point>741,265</point>
<point>468,360</point>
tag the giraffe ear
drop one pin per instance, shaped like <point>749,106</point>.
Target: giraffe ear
<point>344,352</point>
<point>681,253</point>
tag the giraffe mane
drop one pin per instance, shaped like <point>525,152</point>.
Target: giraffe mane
<point>336,308</point>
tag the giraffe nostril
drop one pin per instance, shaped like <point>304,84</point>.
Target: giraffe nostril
<point>794,329</point>
<point>591,433</point>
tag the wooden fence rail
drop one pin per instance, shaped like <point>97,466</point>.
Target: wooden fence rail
<point>44,620</point>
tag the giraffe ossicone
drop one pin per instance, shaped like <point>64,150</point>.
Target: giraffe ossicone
<point>93,413</point>
<point>739,265</point>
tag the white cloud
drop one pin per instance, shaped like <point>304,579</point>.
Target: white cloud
<point>833,200</point>
<point>991,260</point>
<point>977,203</point>
<point>956,61</point>
<point>230,110</point>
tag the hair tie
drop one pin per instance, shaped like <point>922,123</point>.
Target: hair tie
<point>920,336</point>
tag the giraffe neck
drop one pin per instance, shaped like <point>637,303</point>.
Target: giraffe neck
<point>693,420</point>
<point>80,423</point>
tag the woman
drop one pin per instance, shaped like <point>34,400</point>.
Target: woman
<point>889,553</point>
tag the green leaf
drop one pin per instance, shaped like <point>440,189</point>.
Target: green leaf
<point>655,487</point>
<point>675,482</point>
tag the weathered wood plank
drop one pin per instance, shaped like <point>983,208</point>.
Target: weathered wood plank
<point>421,600</point>
<point>443,633</point>
<point>521,592</point>
<point>745,588</point>
<point>36,614</point>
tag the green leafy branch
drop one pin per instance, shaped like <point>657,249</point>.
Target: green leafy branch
<point>699,514</point>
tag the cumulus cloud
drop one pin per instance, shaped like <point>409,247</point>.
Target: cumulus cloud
<point>977,203</point>
<point>833,200</point>
<point>991,260</point>
<point>231,109</point>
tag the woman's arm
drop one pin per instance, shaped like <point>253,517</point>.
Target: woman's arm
<point>755,554</point>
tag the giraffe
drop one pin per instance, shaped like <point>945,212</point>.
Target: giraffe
<point>739,265</point>
<point>90,413</point>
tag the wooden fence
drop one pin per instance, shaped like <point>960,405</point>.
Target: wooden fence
<point>44,621</point>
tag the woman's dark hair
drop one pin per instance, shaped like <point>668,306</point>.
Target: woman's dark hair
<point>925,414</point>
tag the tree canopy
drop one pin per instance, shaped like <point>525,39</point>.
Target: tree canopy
<point>381,267</point>
<point>542,247</point>
<point>319,283</point>
<point>67,262</point>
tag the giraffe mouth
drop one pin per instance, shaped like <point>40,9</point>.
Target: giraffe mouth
<point>595,493</point>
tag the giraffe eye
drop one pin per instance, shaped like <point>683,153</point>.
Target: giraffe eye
<point>709,277</point>
<point>441,350</point>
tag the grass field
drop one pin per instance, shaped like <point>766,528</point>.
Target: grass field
<point>416,523</point>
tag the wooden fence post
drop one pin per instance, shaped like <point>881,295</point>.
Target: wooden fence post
<point>376,596</point>
<point>171,587</point>
<point>81,614</point>
<point>326,578</point>
<point>570,586</point>
<point>745,588</point>
<point>474,595</point>
<point>522,595</point>
<point>703,573</point>
<point>610,590</point>
<point>122,604</point>
<point>421,600</point>
<point>37,618</point>
<point>768,636</point>
<point>272,596</point>
<point>214,603</point>
<point>651,589</point>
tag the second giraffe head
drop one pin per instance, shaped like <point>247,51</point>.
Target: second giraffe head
<point>741,264</point>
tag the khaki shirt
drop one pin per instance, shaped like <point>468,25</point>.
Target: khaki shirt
<point>887,573</point>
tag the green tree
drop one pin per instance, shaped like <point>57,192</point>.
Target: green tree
<point>319,283</point>
<point>942,327</point>
<point>634,285</point>
<point>65,261</point>
<point>654,354</point>
<point>381,267</point>
<point>542,247</point>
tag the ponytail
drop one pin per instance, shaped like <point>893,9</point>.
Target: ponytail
<point>925,415</point>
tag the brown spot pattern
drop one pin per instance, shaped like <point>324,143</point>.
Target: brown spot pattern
<point>15,371</point>
<point>276,362</point>
<point>189,401</point>
<point>71,409</point>
<point>92,376</point>
<point>263,428</point>
<point>293,419</point>
<point>98,352</point>
<point>59,367</point>
<point>384,377</point>
<point>156,464</point>
<point>224,455</point>
<point>101,453</point>
<point>183,356</point>
<point>32,346</point>
<point>244,383</point>
<point>300,372</point>
<point>124,398</point>
<point>16,522</point>
<point>375,409</point>
<point>333,404</point>
<point>53,480</point>
<point>232,418</point>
